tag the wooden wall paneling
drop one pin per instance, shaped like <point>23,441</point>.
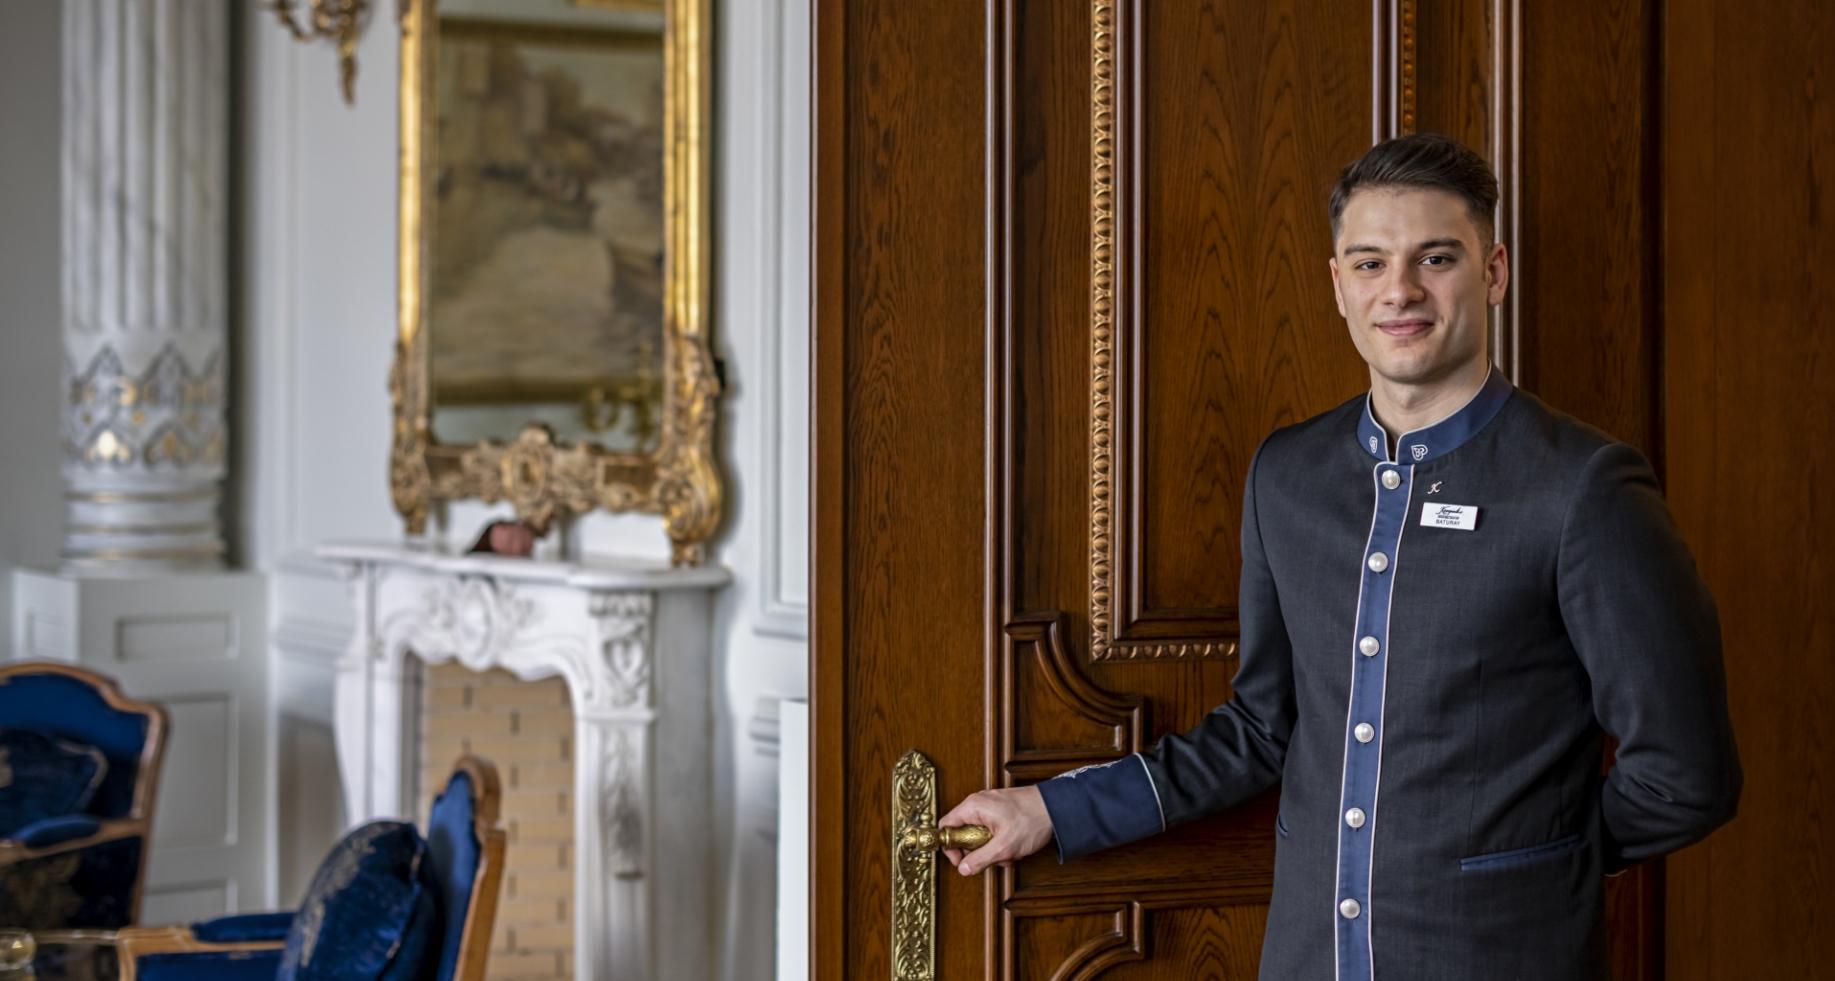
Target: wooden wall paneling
<point>1224,942</point>
<point>1749,403</point>
<point>1455,65</point>
<point>827,549</point>
<point>1063,945</point>
<point>1587,266</point>
<point>899,334</point>
<point>1049,717</point>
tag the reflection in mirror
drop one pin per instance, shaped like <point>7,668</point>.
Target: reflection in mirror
<point>547,232</point>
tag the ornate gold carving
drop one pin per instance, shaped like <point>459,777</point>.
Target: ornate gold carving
<point>1102,321</point>
<point>151,418</point>
<point>680,479</point>
<point>1409,67</point>
<point>914,871</point>
<point>335,20</point>
<point>1103,137</point>
<point>915,840</point>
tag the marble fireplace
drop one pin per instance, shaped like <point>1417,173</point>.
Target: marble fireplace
<point>632,644</point>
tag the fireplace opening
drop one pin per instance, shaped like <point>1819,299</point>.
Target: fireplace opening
<point>527,729</point>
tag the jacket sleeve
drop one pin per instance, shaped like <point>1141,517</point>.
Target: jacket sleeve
<point>1237,751</point>
<point>1646,630</point>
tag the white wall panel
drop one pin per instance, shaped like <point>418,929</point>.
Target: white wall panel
<point>320,299</point>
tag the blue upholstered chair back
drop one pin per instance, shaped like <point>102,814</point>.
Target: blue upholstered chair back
<point>73,708</point>
<point>455,851</point>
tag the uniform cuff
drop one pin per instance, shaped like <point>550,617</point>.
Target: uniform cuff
<point>1097,807</point>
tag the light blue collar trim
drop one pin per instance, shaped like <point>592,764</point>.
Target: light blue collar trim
<point>1443,437</point>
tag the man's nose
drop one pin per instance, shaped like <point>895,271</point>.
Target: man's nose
<point>1402,287</point>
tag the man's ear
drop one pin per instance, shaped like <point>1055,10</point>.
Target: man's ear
<point>1497,274</point>
<point>1337,288</point>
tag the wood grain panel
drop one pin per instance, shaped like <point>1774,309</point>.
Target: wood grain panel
<point>1051,717</point>
<point>898,334</point>
<point>1210,325</point>
<point>1587,266</point>
<point>1749,194</point>
<point>1219,942</point>
<point>1453,44</point>
<point>1073,945</point>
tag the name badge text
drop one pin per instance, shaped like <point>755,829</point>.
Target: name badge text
<point>1461,516</point>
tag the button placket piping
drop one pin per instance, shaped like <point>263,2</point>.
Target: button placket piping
<point>1362,771</point>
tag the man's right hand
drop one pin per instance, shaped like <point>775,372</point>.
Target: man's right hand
<point>1016,818</point>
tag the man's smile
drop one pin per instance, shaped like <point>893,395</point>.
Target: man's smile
<point>1405,326</point>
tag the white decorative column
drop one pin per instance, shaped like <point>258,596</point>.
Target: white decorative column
<point>146,150</point>
<point>142,595</point>
<point>634,644</point>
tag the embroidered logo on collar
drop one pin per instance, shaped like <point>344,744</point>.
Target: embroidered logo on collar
<point>1373,448</point>
<point>1419,450</point>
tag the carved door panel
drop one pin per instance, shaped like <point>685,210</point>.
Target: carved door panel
<point>1070,268</point>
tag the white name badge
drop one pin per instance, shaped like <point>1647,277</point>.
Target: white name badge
<point>1461,516</point>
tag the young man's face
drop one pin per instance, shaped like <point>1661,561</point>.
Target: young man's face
<point>1414,278</point>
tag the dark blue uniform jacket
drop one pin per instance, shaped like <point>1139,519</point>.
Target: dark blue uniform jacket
<point>1437,632</point>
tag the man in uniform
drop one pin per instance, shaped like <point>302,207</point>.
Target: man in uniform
<point>1450,594</point>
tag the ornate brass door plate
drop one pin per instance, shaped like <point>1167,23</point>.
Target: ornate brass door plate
<point>915,841</point>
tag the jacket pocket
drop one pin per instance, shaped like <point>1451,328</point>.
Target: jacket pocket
<point>1280,825</point>
<point>1520,856</point>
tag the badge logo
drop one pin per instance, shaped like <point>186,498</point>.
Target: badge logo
<point>1419,451</point>
<point>1373,448</point>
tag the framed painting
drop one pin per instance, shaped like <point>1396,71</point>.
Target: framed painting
<point>552,345</point>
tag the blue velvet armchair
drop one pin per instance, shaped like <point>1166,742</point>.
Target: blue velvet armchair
<point>388,903</point>
<point>79,766</point>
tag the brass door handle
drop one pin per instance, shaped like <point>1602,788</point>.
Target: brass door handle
<point>915,840</point>
<point>967,837</point>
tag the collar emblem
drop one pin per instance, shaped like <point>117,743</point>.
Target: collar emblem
<point>1419,450</point>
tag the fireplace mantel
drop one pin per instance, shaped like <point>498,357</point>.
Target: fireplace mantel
<point>633,642</point>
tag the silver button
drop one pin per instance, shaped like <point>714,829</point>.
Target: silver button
<point>1391,479</point>
<point>1354,817</point>
<point>1350,908</point>
<point>1378,562</point>
<point>1364,732</point>
<point>1369,646</point>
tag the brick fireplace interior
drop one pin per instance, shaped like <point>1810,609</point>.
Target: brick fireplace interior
<point>526,728</point>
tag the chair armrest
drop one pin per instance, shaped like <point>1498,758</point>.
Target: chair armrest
<point>16,850</point>
<point>165,944</point>
<point>57,830</point>
<point>244,927</point>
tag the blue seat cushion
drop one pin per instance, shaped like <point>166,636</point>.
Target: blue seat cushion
<point>236,965</point>
<point>44,777</point>
<point>369,913</point>
<point>244,928</point>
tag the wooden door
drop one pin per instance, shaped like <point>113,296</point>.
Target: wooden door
<point>1070,268</point>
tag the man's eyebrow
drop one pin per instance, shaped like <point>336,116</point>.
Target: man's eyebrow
<point>1450,244</point>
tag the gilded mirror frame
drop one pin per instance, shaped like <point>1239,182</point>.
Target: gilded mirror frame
<point>541,478</point>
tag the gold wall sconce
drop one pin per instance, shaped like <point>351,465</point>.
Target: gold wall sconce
<point>330,20</point>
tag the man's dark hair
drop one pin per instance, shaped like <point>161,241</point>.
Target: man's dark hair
<point>1422,160</point>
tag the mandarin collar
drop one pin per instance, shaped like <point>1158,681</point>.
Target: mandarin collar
<point>1440,438</point>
